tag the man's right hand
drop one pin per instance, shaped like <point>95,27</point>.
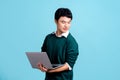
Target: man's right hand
<point>41,67</point>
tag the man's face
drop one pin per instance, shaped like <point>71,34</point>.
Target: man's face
<point>63,24</point>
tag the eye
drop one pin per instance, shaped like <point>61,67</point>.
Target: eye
<point>63,22</point>
<point>69,22</point>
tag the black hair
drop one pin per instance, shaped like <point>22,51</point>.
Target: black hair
<point>63,12</point>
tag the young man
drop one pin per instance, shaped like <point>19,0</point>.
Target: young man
<point>61,48</point>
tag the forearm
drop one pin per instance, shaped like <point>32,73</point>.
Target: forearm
<point>60,69</point>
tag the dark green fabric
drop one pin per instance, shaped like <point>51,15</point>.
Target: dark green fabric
<point>61,50</point>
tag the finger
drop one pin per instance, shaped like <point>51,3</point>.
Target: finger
<point>39,66</point>
<point>44,69</point>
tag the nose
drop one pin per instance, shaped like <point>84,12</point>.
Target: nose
<point>66,24</point>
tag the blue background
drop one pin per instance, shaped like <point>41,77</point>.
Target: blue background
<point>96,27</point>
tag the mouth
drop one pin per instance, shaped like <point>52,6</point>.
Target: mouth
<point>65,29</point>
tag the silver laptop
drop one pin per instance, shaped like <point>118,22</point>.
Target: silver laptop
<point>41,57</point>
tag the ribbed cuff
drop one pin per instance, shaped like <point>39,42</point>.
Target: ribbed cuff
<point>69,66</point>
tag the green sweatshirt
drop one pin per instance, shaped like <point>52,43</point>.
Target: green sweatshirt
<point>61,50</point>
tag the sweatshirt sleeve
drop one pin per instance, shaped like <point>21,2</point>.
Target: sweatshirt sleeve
<point>72,52</point>
<point>44,48</point>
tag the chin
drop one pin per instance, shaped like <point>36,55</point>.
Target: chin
<point>64,31</point>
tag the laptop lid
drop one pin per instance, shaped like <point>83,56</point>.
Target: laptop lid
<point>39,57</point>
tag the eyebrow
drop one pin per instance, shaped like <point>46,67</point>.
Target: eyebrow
<point>65,21</point>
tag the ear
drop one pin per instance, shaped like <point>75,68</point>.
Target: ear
<point>55,21</point>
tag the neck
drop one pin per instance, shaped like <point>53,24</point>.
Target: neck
<point>58,33</point>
